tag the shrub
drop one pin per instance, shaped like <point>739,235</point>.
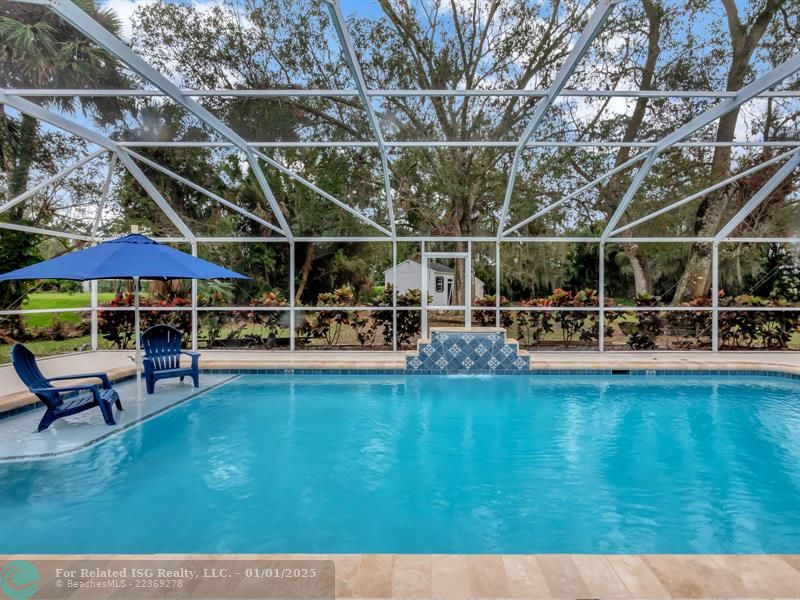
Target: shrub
<point>408,321</point>
<point>365,327</point>
<point>269,321</point>
<point>692,327</point>
<point>328,324</point>
<point>532,326</point>
<point>772,330</point>
<point>646,327</point>
<point>577,323</point>
<point>118,327</point>
<point>486,318</point>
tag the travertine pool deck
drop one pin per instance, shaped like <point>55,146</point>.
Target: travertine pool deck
<point>542,576</point>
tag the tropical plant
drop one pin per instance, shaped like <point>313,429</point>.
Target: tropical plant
<point>486,318</point>
<point>533,325</point>
<point>270,321</point>
<point>408,321</point>
<point>118,326</point>
<point>328,325</point>
<point>771,330</point>
<point>691,328</point>
<point>646,326</point>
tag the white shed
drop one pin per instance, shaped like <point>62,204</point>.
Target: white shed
<point>440,281</point>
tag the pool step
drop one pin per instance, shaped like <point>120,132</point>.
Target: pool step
<point>477,350</point>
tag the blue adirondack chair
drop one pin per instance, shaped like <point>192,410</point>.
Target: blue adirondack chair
<point>87,395</point>
<point>162,356</point>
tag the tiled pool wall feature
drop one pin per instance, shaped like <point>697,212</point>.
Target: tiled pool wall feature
<point>468,351</point>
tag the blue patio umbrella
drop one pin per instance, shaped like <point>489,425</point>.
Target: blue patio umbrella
<point>133,257</point>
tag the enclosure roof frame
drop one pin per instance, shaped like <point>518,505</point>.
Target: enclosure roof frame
<point>728,100</point>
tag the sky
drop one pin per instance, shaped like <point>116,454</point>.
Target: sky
<point>126,8</point>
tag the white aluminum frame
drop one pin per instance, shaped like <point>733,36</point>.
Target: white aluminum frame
<point>120,151</point>
<point>466,307</point>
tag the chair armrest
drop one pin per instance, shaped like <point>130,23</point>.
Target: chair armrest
<point>72,388</point>
<point>195,356</point>
<point>101,376</point>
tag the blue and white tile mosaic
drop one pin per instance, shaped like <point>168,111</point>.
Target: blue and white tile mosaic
<point>467,351</point>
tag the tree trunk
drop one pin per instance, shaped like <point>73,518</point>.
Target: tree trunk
<point>311,250</point>
<point>460,277</point>
<point>611,193</point>
<point>18,179</point>
<point>696,278</point>
<point>642,277</point>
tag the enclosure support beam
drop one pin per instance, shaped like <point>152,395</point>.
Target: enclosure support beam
<point>98,216</point>
<point>601,296</point>
<point>339,23</point>
<point>153,192</point>
<point>423,286</point>
<point>394,295</point>
<point>550,207</point>
<point>707,117</point>
<point>593,27</point>
<point>40,231</point>
<point>204,191</point>
<point>534,143</point>
<point>49,181</point>
<point>80,20</point>
<point>715,297</point>
<point>395,93</point>
<point>321,192</point>
<point>707,190</point>
<point>292,292</point>
<point>194,303</point>
<point>762,194</point>
<point>42,114</point>
<point>641,173</point>
<point>497,283</point>
<point>750,91</point>
<point>468,286</point>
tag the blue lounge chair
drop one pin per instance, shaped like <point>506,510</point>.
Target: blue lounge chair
<point>162,357</point>
<point>86,396</point>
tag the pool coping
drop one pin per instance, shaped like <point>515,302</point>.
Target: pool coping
<point>544,576</point>
<point>29,402</point>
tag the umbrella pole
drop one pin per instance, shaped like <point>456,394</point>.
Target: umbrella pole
<point>138,356</point>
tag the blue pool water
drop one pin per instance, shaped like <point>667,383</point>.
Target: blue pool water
<point>472,464</point>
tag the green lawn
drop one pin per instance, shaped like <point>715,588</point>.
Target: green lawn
<point>47,347</point>
<point>53,300</point>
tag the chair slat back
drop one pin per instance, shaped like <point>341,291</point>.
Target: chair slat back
<point>162,345</point>
<point>28,371</point>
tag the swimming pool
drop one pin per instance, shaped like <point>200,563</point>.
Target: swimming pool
<point>431,464</point>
